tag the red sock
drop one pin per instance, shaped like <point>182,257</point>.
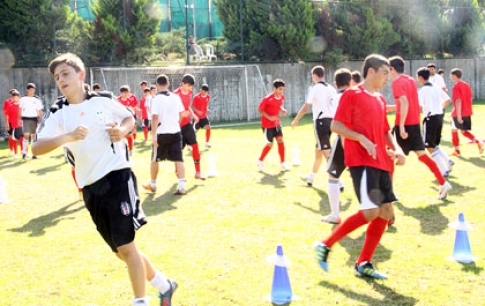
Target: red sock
<point>469,135</point>
<point>281,151</point>
<point>21,142</point>
<point>207,134</point>
<point>134,132</point>
<point>372,237</point>
<point>349,225</point>
<point>145,132</point>
<point>130,142</point>
<point>265,152</point>
<point>73,173</point>
<point>196,156</point>
<point>11,143</point>
<point>428,161</point>
<point>15,146</point>
<point>454,139</point>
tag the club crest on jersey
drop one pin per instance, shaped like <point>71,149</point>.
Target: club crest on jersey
<point>125,208</point>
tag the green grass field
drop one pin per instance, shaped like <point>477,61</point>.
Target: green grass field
<point>214,241</point>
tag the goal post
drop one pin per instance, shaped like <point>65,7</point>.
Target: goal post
<point>235,90</point>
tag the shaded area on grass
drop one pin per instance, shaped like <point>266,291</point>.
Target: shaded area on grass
<point>154,205</point>
<point>432,221</point>
<point>37,226</point>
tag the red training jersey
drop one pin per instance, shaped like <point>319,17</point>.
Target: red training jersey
<point>406,86</point>
<point>143,108</point>
<point>271,106</point>
<point>12,113</point>
<point>364,113</point>
<point>186,99</point>
<point>201,103</point>
<point>463,91</point>
<point>130,102</point>
<point>6,104</point>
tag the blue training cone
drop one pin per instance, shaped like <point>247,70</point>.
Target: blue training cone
<point>281,292</point>
<point>462,251</point>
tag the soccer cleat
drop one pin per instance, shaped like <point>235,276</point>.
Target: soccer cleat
<point>199,176</point>
<point>451,162</point>
<point>444,191</point>
<point>166,298</point>
<point>260,165</point>
<point>480,146</point>
<point>341,185</point>
<point>331,219</point>
<point>15,156</point>
<point>180,192</point>
<point>11,153</point>
<point>307,179</point>
<point>35,157</point>
<point>456,153</point>
<point>285,166</point>
<point>366,268</point>
<point>208,145</point>
<point>322,255</point>
<point>149,187</point>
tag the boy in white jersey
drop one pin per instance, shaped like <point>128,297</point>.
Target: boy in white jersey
<point>320,99</point>
<point>92,126</point>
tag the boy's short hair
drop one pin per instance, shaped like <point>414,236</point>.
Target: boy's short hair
<point>124,88</point>
<point>146,90</point>
<point>11,90</point>
<point>30,85</point>
<point>152,87</point>
<point>431,65</point>
<point>14,92</point>
<point>342,77</point>
<point>204,87</point>
<point>144,83</point>
<point>188,79</point>
<point>96,86</point>
<point>397,63</point>
<point>441,71</point>
<point>162,80</point>
<point>319,71</point>
<point>278,83</point>
<point>70,59</point>
<point>423,72</point>
<point>456,72</point>
<point>374,61</point>
<point>87,87</point>
<point>356,77</point>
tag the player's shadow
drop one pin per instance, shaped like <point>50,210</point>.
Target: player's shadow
<point>471,267</point>
<point>477,161</point>
<point>390,296</point>
<point>273,180</point>
<point>45,170</point>
<point>154,205</point>
<point>353,247</point>
<point>10,163</point>
<point>431,220</point>
<point>37,226</point>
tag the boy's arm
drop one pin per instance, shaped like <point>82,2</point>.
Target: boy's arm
<point>303,110</point>
<point>404,113</point>
<point>45,145</point>
<point>340,128</point>
<point>458,110</point>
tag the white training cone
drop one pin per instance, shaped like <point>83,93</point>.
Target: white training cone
<point>212,166</point>
<point>3,191</point>
<point>296,156</point>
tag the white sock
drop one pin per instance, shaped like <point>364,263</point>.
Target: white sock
<point>25,146</point>
<point>181,184</point>
<point>334,197</point>
<point>153,183</point>
<point>442,154</point>
<point>144,301</point>
<point>160,282</point>
<point>311,175</point>
<point>437,158</point>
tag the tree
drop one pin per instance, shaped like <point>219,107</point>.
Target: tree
<point>124,31</point>
<point>29,28</point>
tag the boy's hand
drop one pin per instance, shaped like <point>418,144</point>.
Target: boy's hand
<point>80,132</point>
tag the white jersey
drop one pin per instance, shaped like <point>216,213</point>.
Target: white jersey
<point>30,106</point>
<point>320,97</point>
<point>437,80</point>
<point>168,107</point>
<point>95,156</point>
<point>431,98</point>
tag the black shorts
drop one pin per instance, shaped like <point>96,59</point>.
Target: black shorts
<point>372,186</point>
<point>188,135</point>
<point>336,160</point>
<point>169,148</point>
<point>432,126</point>
<point>203,122</point>
<point>29,125</point>
<point>322,133</point>
<point>16,133</point>
<point>465,126</point>
<point>114,205</point>
<point>414,142</point>
<point>271,133</point>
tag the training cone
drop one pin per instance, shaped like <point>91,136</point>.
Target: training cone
<point>212,166</point>
<point>296,156</point>
<point>3,191</point>
<point>461,251</point>
<point>280,289</point>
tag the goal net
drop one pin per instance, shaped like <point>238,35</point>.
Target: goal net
<point>235,91</point>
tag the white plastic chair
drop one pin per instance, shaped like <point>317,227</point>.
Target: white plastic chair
<point>209,52</point>
<point>198,54</point>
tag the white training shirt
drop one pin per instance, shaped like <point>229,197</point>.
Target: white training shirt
<point>320,97</point>
<point>437,80</point>
<point>30,106</point>
<point>431,98</point>
<point>95,156</point>
<point>168,107</point>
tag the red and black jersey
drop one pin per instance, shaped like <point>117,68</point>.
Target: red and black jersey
<point>406,86</point>
<point>271,106</point>
<point>463,91</point>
